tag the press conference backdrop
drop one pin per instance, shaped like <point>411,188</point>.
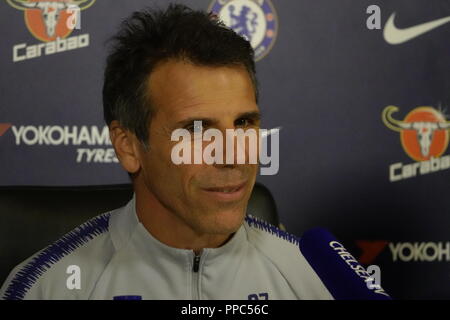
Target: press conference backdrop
<point>362,97</point>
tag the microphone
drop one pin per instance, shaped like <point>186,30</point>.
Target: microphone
<point>339,271</point>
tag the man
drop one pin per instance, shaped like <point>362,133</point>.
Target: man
<point>184,235</point>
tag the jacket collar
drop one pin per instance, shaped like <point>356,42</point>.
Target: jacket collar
<point>125,227</point>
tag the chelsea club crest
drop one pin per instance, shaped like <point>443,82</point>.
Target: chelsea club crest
<point>255,20</point>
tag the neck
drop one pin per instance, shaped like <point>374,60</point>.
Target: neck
<point>169,228</point>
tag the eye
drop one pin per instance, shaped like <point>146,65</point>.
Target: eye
<point>243,122</point>
<point>191,127</point>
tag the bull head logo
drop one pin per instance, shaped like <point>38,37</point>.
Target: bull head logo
<point>423,132</point>
<point>49,13</point>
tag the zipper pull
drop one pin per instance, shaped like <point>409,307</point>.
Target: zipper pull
<point>196,263</point>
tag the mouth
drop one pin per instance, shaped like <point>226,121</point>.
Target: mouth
<point>227,193</point>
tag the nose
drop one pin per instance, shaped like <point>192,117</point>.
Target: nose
<point>237,146</point>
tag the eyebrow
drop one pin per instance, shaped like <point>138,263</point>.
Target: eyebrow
<point>253,115</point>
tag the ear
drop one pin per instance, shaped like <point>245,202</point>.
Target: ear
<point>125,144</point>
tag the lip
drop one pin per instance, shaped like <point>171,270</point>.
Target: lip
<point>227,196</point>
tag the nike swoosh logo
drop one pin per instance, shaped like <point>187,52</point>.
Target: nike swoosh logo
<point>394,35</point>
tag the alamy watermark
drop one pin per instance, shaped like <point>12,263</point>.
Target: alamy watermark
<point>253,152</point>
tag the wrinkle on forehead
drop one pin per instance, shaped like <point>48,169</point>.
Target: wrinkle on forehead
<point>182,86</point>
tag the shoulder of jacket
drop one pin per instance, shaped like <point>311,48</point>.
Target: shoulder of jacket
<point>269,238</point>
<point>44,274</point>
<point>282,249</point>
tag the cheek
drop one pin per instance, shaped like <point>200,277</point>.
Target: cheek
<point>178,180</point>
<point>186,175</point>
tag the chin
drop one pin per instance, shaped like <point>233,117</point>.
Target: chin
<point>223,222</point>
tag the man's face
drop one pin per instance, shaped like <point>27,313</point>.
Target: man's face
<point>210,199</point>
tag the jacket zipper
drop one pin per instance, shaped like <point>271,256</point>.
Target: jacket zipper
<point>196,263</point>
<point>195,276</point>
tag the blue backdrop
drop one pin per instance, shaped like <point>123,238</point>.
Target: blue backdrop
<point>327,69</point>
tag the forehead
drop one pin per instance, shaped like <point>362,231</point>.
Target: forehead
<point>180,88</point>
